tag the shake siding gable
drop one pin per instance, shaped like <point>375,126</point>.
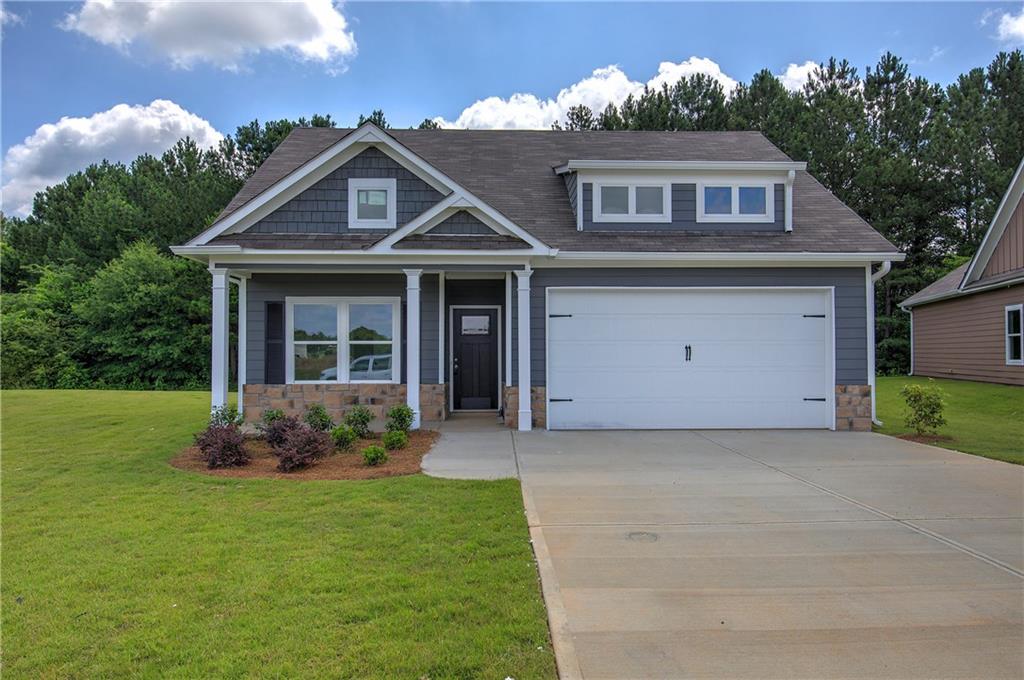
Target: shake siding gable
<point>1008,255</point>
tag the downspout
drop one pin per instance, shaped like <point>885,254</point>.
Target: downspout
<point>872,280</point>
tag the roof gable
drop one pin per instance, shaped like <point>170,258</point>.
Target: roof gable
<point>1008,211</point>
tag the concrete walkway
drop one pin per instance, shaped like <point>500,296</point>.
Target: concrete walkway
<point>774,555</point>
<point>472,446</point>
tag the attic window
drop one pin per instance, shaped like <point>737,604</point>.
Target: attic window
<point>735,202</point>
<point>629,202</point>
<point>372,203</point>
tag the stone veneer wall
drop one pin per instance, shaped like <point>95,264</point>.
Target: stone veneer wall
<point>853,407</point>
<point>538,405</point>
<point>338,399</point>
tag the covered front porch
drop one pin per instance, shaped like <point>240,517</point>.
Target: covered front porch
<point>440,338</point>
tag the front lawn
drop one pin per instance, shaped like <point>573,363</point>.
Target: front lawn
<point>982,418</point>
<point>116,564</point>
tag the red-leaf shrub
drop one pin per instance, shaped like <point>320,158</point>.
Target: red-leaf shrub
<point>276,432</point>
<point>303,447</point>
<point>222,446</point>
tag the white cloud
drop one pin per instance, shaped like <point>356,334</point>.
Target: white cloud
<point>222,33</point>
<point>9,18</point>
<point>121,133</point>
<point>608,85</point>
<point>796,75</point>
<point>1011,28</point>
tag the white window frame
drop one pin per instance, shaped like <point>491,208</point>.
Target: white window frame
<point>735,216</point>
<point>1008,338</point>
<point>343,344</point>
<point>631,215</point>
<point>357,184</point>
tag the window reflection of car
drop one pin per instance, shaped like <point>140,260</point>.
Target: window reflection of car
<point>367,367</point>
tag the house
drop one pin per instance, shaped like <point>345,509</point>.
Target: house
<point>968,324</point>
<point>565,280</point>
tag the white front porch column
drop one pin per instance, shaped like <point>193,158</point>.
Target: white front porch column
<point>219,338</point>
<point>523,290</point>
<point>242,349</point>
<point>412,343</point>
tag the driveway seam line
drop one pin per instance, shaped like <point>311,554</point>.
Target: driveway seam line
<point>921,530</point>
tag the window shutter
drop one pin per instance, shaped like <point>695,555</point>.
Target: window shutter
<point>273,350</point>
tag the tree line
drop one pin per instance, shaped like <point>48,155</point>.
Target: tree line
<point>92,296</point>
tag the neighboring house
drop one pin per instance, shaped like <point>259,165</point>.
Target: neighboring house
<point>565,279</point>
<point>967,325</point>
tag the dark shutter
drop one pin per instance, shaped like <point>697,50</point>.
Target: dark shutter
<point>273,351</point>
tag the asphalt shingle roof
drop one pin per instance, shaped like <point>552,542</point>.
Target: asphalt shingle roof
<point>947,284</point>
<point>513,172</point>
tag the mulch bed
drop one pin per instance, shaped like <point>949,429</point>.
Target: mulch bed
<point>341,465</point>
<point>925,438</point>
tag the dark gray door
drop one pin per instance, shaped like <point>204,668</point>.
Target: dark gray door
<point>475,358</point>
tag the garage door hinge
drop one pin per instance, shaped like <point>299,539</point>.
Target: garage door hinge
<point>559,316</point>
<point>814,316</point>
<point>814,398</point>
<point>553,400</point>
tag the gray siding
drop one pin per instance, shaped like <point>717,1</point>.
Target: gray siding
<point>462,223</point>
<point>263,288</point>
<point>323,208</point>
<point>850,317</point>
<point>684,214</point>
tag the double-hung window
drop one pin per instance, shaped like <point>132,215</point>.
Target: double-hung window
<point>735,202</point>
<point>372,203</point>
<point>632,202</point>
<point>347,340</point>
<point>1014,335</point>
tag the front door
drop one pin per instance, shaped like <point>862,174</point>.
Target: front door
<point>475,358</point>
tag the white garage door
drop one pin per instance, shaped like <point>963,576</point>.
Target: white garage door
<point>648,358</point>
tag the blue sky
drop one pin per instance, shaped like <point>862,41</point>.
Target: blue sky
<point>415,61</point>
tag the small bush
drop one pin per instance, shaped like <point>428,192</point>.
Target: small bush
<point>270,415</point>
<point>375,455</point>
<point>344,437</point>
<point>395,440</point>
<point>225,415</point>
<point>318,418</point>
<point>276,432</point>
<point>222,446</point>
<point>359,420</point>
<point>399,418</point>
<point>302,447</point>
<point>925,404</point>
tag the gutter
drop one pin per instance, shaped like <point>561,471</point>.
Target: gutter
<point>961,292</point>
<point>872,280</point>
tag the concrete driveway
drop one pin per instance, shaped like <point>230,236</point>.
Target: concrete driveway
<point>775,555</point>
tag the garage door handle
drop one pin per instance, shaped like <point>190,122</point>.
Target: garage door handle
<point>554,400</point>
<point>689,352</point>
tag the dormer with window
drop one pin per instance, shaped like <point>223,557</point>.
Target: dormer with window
<point>681,196</point>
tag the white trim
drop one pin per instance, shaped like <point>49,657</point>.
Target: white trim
<point>413,314</point>
<point>342,343</point>
<point>631,215</point>
<point>389,186</point>
<point>830,373</point>
<point>872,279</point>
<point>243,308</point>
<point>579,203</point>
<point>911,313</point>
<point>220,336</point>
<point>750,166</point>
<point>1013,196</point>
<point>690,256</point>
<point>790,178</point>
<point>735,184</point>
<point>1019,308</point>
<point>451,355</point>
<point>525,415</point>
<point>508,336</point>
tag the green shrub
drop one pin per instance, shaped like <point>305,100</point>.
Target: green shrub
<point>399,418</point>
<point>225,415</point>
<point>395,440</point>
<point>270,415</point>
<point>925,404</point>
<point>344,437</point>
<point>318,418</point>
<point>375,455</point>
<point>359,420</point>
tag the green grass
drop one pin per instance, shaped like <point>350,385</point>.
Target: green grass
<point>116,564</point>
<point>982,418</point>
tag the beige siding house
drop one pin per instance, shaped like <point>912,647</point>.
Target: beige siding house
<point>968,324</point>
